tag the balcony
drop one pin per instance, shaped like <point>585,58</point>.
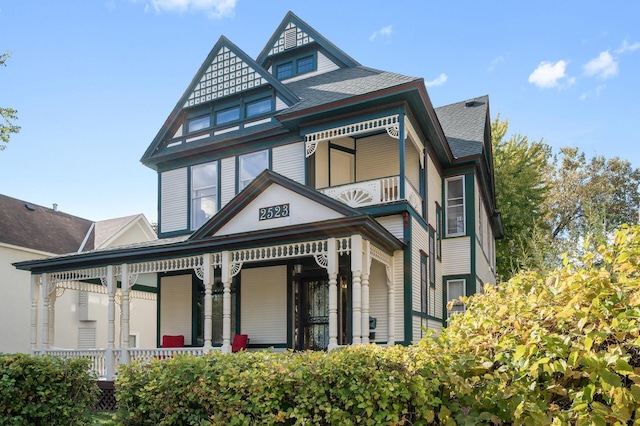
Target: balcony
<point>375,192</point>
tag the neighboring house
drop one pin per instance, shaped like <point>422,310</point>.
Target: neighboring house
<point>29,231</point>
<point>308,202</point>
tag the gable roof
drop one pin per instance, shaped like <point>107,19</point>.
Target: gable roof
<point>464,125</point>
<point>304,34</point>
<point>107,231</point>
<point>35,227</point>
<point>226,71</point>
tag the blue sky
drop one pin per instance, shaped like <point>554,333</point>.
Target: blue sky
<point>93,81</point>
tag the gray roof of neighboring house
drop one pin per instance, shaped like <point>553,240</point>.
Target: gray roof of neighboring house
<point>106,229</point>
<point>342,84</point>
<point>40,228</point>
<point>464,125</point>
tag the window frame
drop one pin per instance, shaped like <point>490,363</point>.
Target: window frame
<point>198,118</point>
<point>463,282</point>
<point>249,103</point>
<point>193,220</point>
<point>432,258</point>
<point>438,231</point>
<point>239,180</point>
<point>449,207</point>
<point>295,67</point>
<point>424,288</point>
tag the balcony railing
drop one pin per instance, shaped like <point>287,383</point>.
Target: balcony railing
<point>374,192</point>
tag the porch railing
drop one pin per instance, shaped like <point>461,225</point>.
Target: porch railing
<point>98,357</point>
<point>374,192</point>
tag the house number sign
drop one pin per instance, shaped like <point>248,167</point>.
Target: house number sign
<point>274,212</point>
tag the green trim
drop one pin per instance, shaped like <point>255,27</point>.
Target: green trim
<point>470,207</point>
<point>407,277</point>
<point>144,288</point>
<point>425,316</point>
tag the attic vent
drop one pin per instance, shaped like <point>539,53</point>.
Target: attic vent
<point>30,207</point>
<point>290,38</point>
<point>470,103</point>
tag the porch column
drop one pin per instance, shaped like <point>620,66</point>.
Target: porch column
<point>52,317</point>
<point>391,305</point>
<point>366,263</point>
<point>207,278</point>
<point>332,270</point>
<point>356,288</point>
<point>401,140</point>
<point>45,312</point>
<point>226,302</point>
<point>111,319</point>
<point>34,314</point>
<point>124,357</point>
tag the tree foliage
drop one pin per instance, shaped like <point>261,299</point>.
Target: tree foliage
<point>7,115</point>
<point>557,349</point>
<point>522,170</point>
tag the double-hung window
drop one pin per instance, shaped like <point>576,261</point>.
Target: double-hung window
<point>250,166</point>
<point>455,290</point>
<point>455,206</point>
<point>424,289</point>
<point>204,193</point>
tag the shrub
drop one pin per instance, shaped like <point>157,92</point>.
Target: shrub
<point>45,390</point>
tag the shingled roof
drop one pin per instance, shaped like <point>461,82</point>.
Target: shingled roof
<point>464,125</point>
<point>40,228</point>
<point>341,84</point>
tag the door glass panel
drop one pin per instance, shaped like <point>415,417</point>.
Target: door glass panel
<point>315,313</point>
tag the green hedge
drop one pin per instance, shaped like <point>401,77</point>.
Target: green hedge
<point>359,385</point>
<point>45,390</point>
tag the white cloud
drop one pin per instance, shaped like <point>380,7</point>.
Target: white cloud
<point>604,66</point>
<point>583,97</point>
<point>599,90</point>
<point>215,8</point>
<point>626,47</point>
<point>549,74</point>
<point>497,61</point>
<point>442,78</point>
<point>382,32</point>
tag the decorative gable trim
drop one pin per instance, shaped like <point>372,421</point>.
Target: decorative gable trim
<point>292,36</point>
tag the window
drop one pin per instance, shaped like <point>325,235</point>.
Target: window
<point>424,291</point>
<point>199,123</point>
<point>250,166</point>
<point>432,258</point>
<point>284,70</point>
<point>227,115</point>
<point>481,222</point>
<point>304,65</point>
<point>438,231</point>
<point>455,290</point>
<point>204,193</point>
<point>455,207</point>
<point>258,107</point>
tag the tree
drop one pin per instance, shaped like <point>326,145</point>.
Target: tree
<point>522,170</point>
<point>590,198</point>
<point>7,115</point>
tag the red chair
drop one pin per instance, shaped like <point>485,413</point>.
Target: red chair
<point>239,342</point>
<point>172,341</point>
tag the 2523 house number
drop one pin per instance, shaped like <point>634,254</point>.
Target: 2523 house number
<point>274,212</point>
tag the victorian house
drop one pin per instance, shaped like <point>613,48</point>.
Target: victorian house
<point>305,201</point>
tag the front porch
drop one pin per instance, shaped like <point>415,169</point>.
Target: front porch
<point>349,272</point>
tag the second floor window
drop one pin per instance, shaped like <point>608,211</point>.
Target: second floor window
<point>284,70</point>
<point>204,193</point>
<point>258,107</point>
<point>199,124</point>
<point>455,206</point>
<point>250,166</point>
<point>227,115</point>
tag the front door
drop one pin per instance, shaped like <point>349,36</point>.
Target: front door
<point>314,314</point>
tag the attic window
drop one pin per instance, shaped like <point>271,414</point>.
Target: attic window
<point>30,207</point>
<point>290,38</point>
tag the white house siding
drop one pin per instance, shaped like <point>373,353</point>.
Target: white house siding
<point>322,159</point>
<point>434,185</point>
<point>325,64</point>
<point>483,268</point>
<point>175,306</point>
<point>377,157</point>
<point>228,180</point>
<point>398,286</point>
<point>280,104</point>
<point>288,160</point>
<point>393,224</point>
<point>263,304</point>
<point>456,259</point>
<point>419,241</point>
<point>379,300</point>
<point>174,200</point>
<point>419,324</point>
<point>412,165</point>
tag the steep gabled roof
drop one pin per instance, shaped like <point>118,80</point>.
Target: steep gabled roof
<point>227,71</point>
<point>107,231</point>
<point>292,26</point>
<point>31,226</point>
<point>464,125</point>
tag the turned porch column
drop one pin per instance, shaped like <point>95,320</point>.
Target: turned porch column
<point>356,288</point>
<point>111,321</point>
<point>45,313</point>
<point>124,357</point>
<point>207,278</point>
<point>366,264</point>
<point>332,270</point>
<point>226,302</point>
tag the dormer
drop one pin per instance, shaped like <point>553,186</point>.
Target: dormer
<point>231,96</point>
<point>296,51</point>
